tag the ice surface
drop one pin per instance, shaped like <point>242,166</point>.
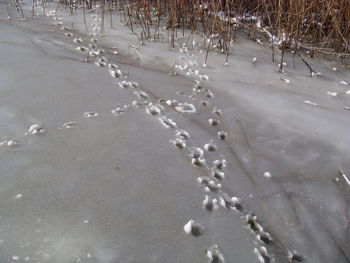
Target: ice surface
<point>116,189</point>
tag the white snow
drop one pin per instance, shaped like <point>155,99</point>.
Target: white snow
<point>332,93</point>
<point>19,196</point>
<point>36,129</point>
<point>267,175</point>
<point>15,258</point>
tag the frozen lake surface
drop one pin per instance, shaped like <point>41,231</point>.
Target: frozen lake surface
<point>109,161</point>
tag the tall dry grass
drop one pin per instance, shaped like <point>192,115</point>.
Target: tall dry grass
<point>317,25</point>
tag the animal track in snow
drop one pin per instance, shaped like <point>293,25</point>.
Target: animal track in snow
<point>182,134</point>
<point>217,111</point>
<point>209,184</point>
<point>167,122</point>
<point>214,255</point>
<point>267,175</point>
<point>294,256</point>
<point>115,73</point>
<point>58,23</point>
<point>198,162</point>
<point>100,63</point>
<point>118,111</point>
<point>9,143</point>
<point>262,255</point>
<point>18,196</point>
<point>213,122</point>
<point>113,66</point>
<point>196,153</point>
<point>210,147</point>
<point>82,48</point>
<point>232,203</point>
<point>154,109</point>
<point>15,258</point>
<point>265,237</point>
<point>261,234</point>
<point>193,228</point>
<point>197,87</point>
<point>90,114</point>
<point>171,103</point>
<point>333,93</point>
<point>203,76</point>
<point>210,204</point>
<point>205,103</point>
<point>36,129</point>
<point>209,94</point>
<point>251,220</point>
<point>285,80</point>
<point>310,103</point>
<point>219,164</point>
<point>140,103</point>
<point>77,40</point>
<point>218,174</point>
<point>179,143</point>
<point>69,125</point>
<point>128,84</point>
<point>185,108</point>
<point>141,94</point>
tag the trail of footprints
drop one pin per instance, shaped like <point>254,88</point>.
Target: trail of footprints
<point>212,183</point>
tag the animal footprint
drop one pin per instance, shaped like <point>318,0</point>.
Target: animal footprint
<point>294,256</point>
<point>125,84</point>
<point>218,174</point>
<point>222,135</point>
<point>210,204</point>
<point>9,143</point>
<point>100,63</point>
<point>140,103</point>
<point>217,111</point>
<point>115,73</point>
<point>209,94</point>
<point>141,94</point>
<point>209,184</point>
<point>118,111</point>
<point>36,129</point>
<point>219,164</point>
<point>205,103</point>
<point>182,134</point>
<point>167,122</point>
<point>90,114</point>
<point>199,162</point>
<point>214,255</point>
<point>213,122</point>
<point>69,125</point>
<point>193,228</point>
<point>179,143</point>
<point>210,147</point>
<point>230,202</point>
<point>185,108</point>
<point>77,40</point>
<point>262,255</point>
<point>154,109</point>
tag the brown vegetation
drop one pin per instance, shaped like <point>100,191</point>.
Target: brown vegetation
<point>317,26</point>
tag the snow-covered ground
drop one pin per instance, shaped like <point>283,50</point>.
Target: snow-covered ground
<point>115,167</point>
